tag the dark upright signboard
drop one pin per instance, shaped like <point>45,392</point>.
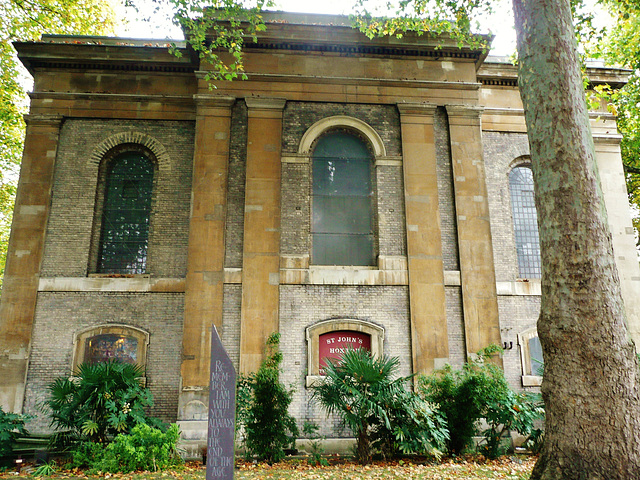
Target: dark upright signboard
<point>222,412</point>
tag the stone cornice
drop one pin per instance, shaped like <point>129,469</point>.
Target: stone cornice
<point>111,97</point>
<point>265,103</point>
<point>425,109</point>
<point>42,119</point>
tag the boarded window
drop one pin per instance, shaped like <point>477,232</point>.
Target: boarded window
<point>125,220</point>
<point>332,345</point>
<point>525,222</point>
<point>342,226</point>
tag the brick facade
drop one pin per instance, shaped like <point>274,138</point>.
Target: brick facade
<point>74,218</point>
<point>439,164</point>
<point>61,315</point>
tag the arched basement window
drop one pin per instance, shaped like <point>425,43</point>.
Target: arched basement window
<point>119,343</point>
<point>125,218</point>
<point>525,222</point>
<point>342,226</point>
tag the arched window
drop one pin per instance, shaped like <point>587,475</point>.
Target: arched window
<point>119,343</point>
<point>327,339</point>
<point>126,212</point>
<point>525,222</point>
<point>342,226</point>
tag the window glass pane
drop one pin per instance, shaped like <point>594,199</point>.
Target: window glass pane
<point>535,356</point>
<point>125,218</point>
<point>341,176</point>
<point>342,224</point>
<point>339,214</point>
<point>342,249</point>
<point>111,347</point>
<point>341,145</point>
<point>525,222</point>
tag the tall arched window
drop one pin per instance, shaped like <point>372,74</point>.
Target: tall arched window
<point>343,225</point>
<point>525,222</point>
<point>124,235</point>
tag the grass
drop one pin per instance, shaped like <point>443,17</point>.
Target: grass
<point>507,468</point>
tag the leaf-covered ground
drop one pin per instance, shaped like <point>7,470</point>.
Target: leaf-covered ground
<point>510,468</point>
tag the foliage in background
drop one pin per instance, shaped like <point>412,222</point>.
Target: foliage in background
<point>11,428</point>
<point>217,31</point>
<point>620,45</point>
<point>379,408</point>
<point>27,20</point>
<point>457,19</point>
<point>244,400</point>
<point>102,400</point>
<point>316,450</point>
<point>143,449</point>
<point>479,390</point>
<point>521,412</point>
<point>617,43</point>
<point>270,429</point>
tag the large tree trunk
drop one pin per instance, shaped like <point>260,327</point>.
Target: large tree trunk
<point>590,385</point>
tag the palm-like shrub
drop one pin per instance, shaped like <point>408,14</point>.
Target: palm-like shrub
<point>100,401</point>
<point>380,409</point>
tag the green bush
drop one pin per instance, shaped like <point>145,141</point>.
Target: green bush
<point>11,428</point>
<point>514,411</point>
<point>244,400</point>
<point>381,412</point>
<point>145,448</point>
<point>102,400</point>
<point>415,427</point>
<point>310,431</point>
<point>479,390</point>
<point>269,426</point>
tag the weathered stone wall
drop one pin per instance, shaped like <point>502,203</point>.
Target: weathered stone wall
<point>234,233</point>
<point>500,152</point>
<point>448,230</point>
<point>61,315</point>
<point>455,327</point>
<point>302,306</point>
<point>503,151</point>
<point>517,314</point>
<point>296,177</point>
<point>72,218</point>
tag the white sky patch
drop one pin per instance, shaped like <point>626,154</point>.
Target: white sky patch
<point>500,23</point>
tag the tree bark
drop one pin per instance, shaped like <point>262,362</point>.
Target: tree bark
<point>590,385</point>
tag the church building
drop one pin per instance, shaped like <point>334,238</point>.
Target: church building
<point>374,193</point>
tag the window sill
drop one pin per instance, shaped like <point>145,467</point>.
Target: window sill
<point>531,380</point>
<point>119,275</point>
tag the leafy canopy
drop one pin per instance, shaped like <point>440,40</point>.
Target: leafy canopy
<point>27,20</point>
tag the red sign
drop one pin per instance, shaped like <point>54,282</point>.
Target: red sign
<point>333,344</point>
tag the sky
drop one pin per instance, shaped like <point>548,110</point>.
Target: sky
<point>500,24</point>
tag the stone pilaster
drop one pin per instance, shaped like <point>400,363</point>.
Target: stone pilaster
<point>479,298</point>
<point>429,340</point>
<point>24,256</point>
<point>611,173</point>
<point>205,264</point>
<point>261,254</point>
